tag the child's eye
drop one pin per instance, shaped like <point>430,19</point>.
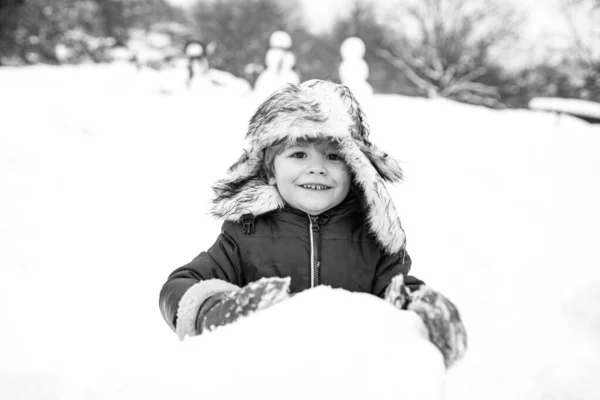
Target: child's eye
<point>333,157</point>
<point>298,154</point>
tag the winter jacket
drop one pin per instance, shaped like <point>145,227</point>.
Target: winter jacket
<point>334,249</point>
<point>358,245</point>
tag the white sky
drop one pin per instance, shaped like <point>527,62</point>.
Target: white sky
<point>105,178</point>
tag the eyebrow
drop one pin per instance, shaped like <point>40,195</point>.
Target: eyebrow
<point>302,146</point>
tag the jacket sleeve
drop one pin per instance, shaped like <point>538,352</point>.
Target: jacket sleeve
<point>391,265</point>
<point>219,268</point>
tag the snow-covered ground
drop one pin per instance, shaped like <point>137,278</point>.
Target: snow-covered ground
<point>104,185</point>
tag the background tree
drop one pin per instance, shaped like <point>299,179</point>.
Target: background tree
<point>39,26</point>
<point>446,47</point>
<point>78,30</point>
<point>10,14</point>
<point>118,16</point>
<point>241,29</point>
<point>317,56</point>
<point>583,19</point>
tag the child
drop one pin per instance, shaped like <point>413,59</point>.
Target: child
<point>306,205</point>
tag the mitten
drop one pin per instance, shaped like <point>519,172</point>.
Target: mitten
<point>440,316</point>
<point>225,308</point>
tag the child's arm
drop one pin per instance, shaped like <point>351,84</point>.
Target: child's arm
<point>227,307</point>
<point>211,290</point>
<point>439,314</point>
<point>219,268</point>
<point>393,265</point>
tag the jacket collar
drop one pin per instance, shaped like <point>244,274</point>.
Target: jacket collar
<point>349,206</point>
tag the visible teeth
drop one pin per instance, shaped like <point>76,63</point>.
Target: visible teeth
<point>315,187</point>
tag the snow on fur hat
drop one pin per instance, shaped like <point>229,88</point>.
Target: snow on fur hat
<point>337,115</point>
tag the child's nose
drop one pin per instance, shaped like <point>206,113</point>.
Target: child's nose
<point>317,167</point>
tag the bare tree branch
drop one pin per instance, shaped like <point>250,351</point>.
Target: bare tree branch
<point>455,38</point>
<point>476,87</point>
<point>406,70</point>
<point>580,43</point>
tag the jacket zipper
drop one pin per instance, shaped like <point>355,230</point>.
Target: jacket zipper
<point>315,264</point>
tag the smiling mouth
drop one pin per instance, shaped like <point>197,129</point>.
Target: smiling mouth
<point>315,187</point>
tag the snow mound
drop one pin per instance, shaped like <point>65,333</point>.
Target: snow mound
<point>315,345</point>
<point>583,108</point>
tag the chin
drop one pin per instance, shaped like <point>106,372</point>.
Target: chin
<point>315,211</point>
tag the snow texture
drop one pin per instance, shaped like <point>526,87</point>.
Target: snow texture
<point>105,183</point>
<point>584,108</point>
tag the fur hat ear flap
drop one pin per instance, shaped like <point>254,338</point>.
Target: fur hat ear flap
<point>244,191</point>
<point>247,195</point>
<point>386,166</point>
<point>245,166</point>
<point>383,219</point>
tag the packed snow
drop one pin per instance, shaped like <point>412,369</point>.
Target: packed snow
<point>105,178</point>
<point>583,108</point>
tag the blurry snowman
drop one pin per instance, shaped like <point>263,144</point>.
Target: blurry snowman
<point>354,70</point>
<point>198,68</point>
<point>279,62</point>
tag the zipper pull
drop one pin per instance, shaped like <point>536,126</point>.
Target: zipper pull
<point>315,223</point>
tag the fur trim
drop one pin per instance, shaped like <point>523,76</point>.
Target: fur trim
<point>382,216</point>
<point>386,166</point>
<point>192,300</point>
<point>244,197</point>
<point>314,109</point>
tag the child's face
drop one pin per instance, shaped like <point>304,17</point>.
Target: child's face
<point>311,177</point>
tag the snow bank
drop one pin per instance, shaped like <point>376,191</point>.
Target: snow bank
<point>583,108</point>
<point>105,188</point>
<point>321,344</point>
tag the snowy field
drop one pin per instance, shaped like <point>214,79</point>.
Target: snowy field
<point>104,183</point>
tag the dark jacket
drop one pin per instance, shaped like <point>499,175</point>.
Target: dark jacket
<point>334,249</point>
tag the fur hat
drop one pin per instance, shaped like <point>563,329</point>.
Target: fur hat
<point>328,110</point>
